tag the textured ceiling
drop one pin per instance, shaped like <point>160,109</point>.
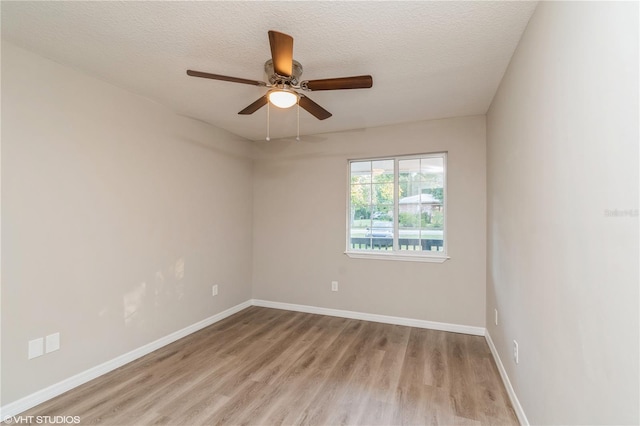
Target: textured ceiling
<point>428,59</point>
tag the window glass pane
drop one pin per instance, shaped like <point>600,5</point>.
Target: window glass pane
<point>383,212</point>
<point>360,223</point>
<point>432,173</point>
<point>382,171</point>
<point>410,179</point>
<point>409,228</point>
<point>382,224</point>
<point>360,195</point>
<point>409,166</point>
<point>380,229</point>
<point>433,230</point>
<point>403,187</point>
<point>361,220</point>
<point>433,217</point>
<point>382,193</point>
<point>432,170</point>
<point>431,165</point>
<point>360,243</point>
<point>360,216</point>
<point>381,234</point>
<point>361,172</point>
<point>409,202</point>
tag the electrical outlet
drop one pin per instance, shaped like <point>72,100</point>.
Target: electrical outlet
<point>52,342</point>
<point>214,290</point>
<point>36,348</point>
<point>334,285</point>
<point>496,316</point>
<point>516,357</point>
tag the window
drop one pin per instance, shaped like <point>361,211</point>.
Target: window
<point>397,208</point>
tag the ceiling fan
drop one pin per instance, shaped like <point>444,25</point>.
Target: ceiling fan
<point>284,80</point>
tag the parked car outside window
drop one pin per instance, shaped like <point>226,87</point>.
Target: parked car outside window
<point>380,229</point>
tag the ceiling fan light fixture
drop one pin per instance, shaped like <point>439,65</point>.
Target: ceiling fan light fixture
<point>283,98</point>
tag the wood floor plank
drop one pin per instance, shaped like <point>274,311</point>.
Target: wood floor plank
<point>411,391</point>
<point>303,376</point>
<point>460,375</point>
<point>269,367</point>
<point>285,376</point>
<point>334,402</point>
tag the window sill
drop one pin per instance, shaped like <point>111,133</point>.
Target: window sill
<point>435,258</point>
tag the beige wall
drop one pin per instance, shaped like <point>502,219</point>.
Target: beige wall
<point>562,137</point>
<point>117,216</point>
<point>299,222</point>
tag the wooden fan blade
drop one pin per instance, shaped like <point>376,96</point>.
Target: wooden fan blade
<point>357,82</point>
<point>281,53</point>
<point>313,108</point>
<point>225,78</point>
<point>255,106</point>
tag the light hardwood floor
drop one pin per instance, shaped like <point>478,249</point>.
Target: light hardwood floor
<point>269,366</point>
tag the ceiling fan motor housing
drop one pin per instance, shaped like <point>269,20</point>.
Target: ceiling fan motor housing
<point>275,79</point>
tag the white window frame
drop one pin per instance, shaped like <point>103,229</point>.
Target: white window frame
<point>396,253</point>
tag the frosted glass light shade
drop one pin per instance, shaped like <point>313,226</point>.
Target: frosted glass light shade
<point>283,98</point>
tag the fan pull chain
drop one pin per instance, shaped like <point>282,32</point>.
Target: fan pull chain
<point>268,138</point>
<point>298,133</point>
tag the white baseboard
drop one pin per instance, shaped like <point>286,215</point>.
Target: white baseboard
<point>59,388</point>
<point>30,401</point>
<point>442,326</point>
<point>522,418</point>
